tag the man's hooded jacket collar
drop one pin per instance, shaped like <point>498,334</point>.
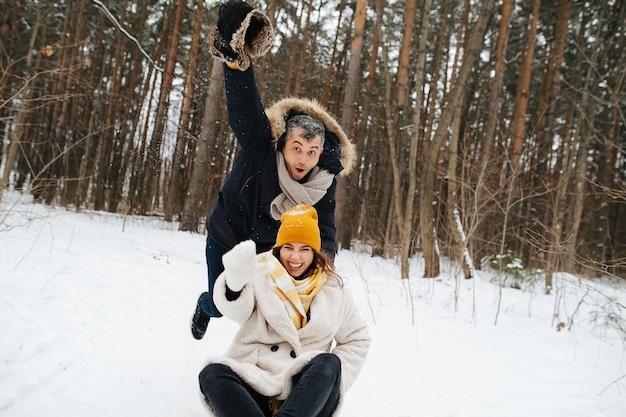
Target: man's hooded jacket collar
<point>339,155</point>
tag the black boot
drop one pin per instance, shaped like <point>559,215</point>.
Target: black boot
<point>200,321</point>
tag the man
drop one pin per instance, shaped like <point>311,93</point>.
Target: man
<point>290,154</point>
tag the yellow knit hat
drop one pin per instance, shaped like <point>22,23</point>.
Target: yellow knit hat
<point>299,225</point>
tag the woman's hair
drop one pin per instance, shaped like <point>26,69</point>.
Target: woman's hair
<point>321,261</point>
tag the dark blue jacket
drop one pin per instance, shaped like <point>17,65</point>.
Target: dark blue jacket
<point>242,208</point>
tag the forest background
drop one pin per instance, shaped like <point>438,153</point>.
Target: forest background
<point>487,131</point>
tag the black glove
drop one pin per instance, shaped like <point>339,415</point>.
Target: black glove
<point>241,32</point>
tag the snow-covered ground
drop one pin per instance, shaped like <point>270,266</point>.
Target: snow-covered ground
<point>95,309</point>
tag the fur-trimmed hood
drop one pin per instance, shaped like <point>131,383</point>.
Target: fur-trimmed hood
<point>339,154</point>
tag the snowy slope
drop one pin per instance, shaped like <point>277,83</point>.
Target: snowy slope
<point>95,309</point>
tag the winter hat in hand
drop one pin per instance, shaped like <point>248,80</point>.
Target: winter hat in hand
<point>241,33</point>
<point>299,224</point>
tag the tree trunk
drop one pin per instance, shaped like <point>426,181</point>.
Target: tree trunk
<point>330,79</point>
<point>548,96</point>
<point>104,152</point>
<point>427,223</point>
<point>177,187</point>
<point>345,218</point>
<point>69,162</point>
<point>302,52</point>
<point>153,160</point>
<point>405,229</point>
<point>404,60</point>
<point>458,238</point>
<point>458,244</point>
<point>586,111</point>
<point>138,163</point>
<point>89,119</point>
<point>395,113</point>
<point>15,137</point>
<point>487,178</point>
<point>610,176</point>
<point>139,151</point>
<point>518,122</point>
<point>194,207</point>
<point>371,154</point>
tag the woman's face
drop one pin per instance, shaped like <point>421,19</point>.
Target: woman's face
<point>296,258</point>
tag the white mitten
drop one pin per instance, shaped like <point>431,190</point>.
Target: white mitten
<point>242,263</point>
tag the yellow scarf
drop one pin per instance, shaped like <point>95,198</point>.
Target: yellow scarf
<point>297,295</point>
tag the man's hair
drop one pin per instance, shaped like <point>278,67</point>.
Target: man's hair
<point>312,127</point>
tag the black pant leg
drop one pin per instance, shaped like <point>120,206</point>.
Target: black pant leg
<point>315,392</point>
<point>229,395</point>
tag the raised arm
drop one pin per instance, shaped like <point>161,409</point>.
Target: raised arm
<point>245,111</point>
<point>232,294</point>
<point>240,34</point>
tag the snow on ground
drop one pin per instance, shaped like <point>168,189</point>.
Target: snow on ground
<point>95,310</point>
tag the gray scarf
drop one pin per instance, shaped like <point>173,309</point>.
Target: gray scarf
<point>295,193</point>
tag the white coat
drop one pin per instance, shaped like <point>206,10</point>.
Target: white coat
<point>268,350</point>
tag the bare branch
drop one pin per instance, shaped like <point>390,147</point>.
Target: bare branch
<point>125,32</point>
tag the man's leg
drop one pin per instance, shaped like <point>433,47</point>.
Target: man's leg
<point>205,307</point>
<point>214,252</point>
<point>229,396</point>
<point>315,392</point>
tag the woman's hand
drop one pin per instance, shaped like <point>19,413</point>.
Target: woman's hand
<point>242,263</point>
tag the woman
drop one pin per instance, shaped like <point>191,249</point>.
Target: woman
<point>301,341</point>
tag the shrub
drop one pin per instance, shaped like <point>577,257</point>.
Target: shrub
<point>512,274</point>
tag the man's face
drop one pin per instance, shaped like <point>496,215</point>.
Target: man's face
<point>300,154</point>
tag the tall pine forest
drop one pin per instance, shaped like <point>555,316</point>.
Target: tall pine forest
<point>487,131</point>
